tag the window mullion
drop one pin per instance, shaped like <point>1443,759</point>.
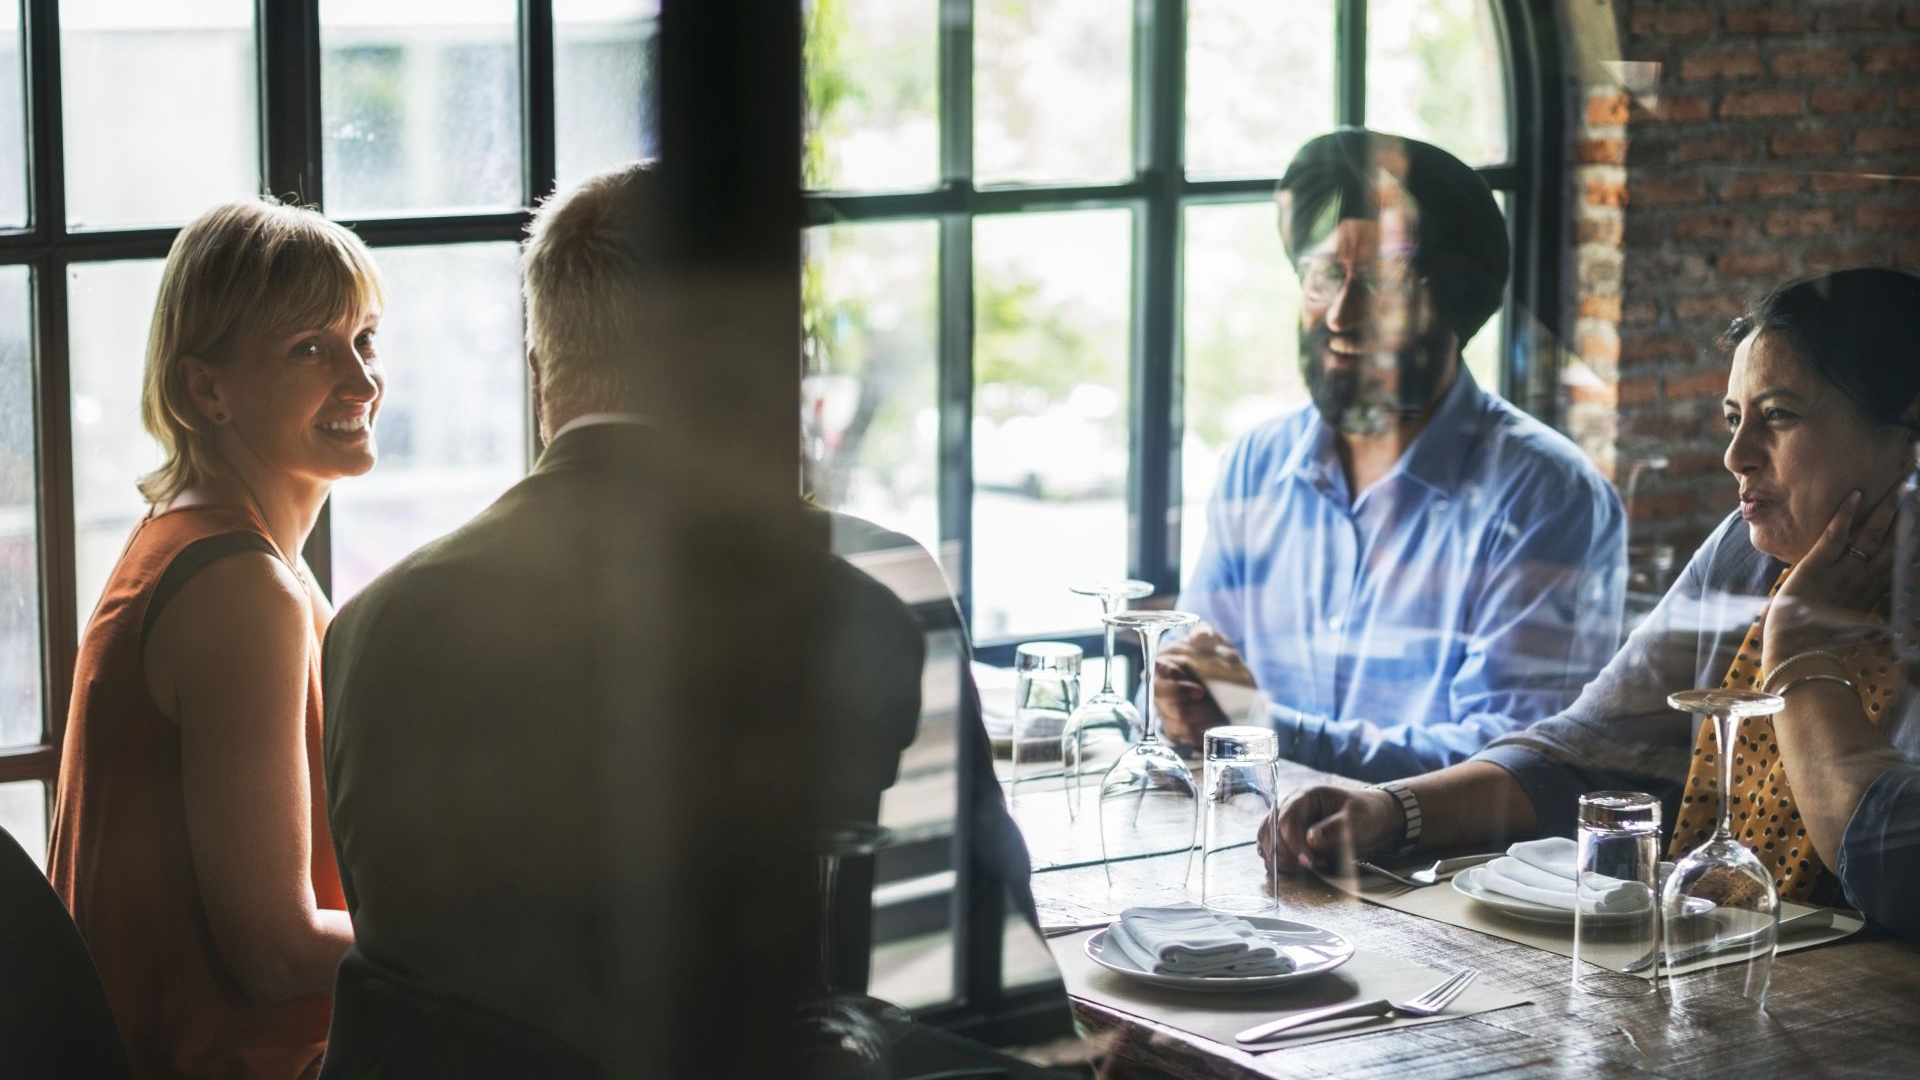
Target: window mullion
<point>1350,64</point>
<point>1159,93</point>
<point>288,45</point>
<point>538,153</point>
<point>52,394</point>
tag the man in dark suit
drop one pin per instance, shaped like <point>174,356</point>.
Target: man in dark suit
<point>561,804</point>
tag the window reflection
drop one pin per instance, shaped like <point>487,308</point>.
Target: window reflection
<point>13,120</point>
<point>1434,72</point>
<point>1052,330</point>
<point>605,56</point>
<point>176,127</point>
<point>1260,80</point>
<point>869,411</point>
<point>109,307</point>
<point>419,106</point>
<point>1050,91</point>
<point>19,533</point>
<point>452,432</point>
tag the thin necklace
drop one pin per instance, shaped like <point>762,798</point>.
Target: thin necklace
<point>259,510</point>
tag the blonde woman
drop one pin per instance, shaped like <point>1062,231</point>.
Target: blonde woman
<point>190,836</point>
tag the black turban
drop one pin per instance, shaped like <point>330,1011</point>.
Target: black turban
<point>1462,234</point>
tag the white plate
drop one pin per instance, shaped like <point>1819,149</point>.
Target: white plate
<point>1314,952</point>
<point>1467,882</point>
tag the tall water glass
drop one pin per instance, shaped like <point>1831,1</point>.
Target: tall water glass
<point>1616,916</point>
<point>1046,690</point>
<point>1240,789</point>
<point>1720,900</point>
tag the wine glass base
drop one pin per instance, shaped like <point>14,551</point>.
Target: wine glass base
<point>893,1021</point>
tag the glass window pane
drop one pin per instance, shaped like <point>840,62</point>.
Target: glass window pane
<point>109,307</point>
<point>604,98</point>
<point>180,109</point>
<point>1052,327</point>
<point>873,76</point>
<point>1052,91</point>
<point>23,810</point>
<point>1482,354</point>
<point>1240,344</point>
<point>419,106</point>
<point>452,431</point>
<point>19,549</point>
<point>1259,83</point>
<point>869,408</point>
<point>1435,71</point>
<point>13,120</point>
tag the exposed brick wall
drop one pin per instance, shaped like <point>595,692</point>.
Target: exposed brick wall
<point>1772,139</point>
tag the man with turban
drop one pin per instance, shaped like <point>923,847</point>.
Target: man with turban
<point>1410,566</point>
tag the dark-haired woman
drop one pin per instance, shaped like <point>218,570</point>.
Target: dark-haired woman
<point>1789,594</point>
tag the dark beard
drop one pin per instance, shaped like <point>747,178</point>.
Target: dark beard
<point>1360,401</point>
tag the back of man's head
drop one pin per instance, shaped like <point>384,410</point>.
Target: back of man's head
<point>592,270</point>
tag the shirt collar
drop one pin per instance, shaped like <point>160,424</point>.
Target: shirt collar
<point>1435,457</point>
<point>586,419</point>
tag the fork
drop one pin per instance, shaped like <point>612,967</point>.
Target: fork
<point>1431,875</point>
<point>1433,1001</point>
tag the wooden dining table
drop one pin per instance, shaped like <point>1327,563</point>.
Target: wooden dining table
<point>1850,1008</point>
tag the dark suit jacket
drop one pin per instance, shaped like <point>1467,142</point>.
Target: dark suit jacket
<point>518,825</point>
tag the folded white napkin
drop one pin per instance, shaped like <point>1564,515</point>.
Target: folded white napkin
<point>1187,939</point>
<point>1542,871</point>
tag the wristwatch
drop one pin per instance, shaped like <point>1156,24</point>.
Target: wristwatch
<point>1411,806</point>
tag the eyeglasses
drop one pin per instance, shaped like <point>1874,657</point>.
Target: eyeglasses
<point>1321,279</point>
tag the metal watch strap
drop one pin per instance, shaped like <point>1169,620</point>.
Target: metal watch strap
<point>1411,806</point>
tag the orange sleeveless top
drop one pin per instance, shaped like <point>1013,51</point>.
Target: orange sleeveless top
<point>119,854</point>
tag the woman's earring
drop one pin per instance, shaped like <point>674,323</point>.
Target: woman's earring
<point>219,418</point>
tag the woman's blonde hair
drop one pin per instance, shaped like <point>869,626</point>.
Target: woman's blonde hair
<point>236,270</point>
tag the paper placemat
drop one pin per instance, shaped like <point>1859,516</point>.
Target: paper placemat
<point>1218,1015</point>
<point>1444,903</point>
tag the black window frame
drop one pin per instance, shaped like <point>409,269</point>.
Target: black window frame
<point>287,36</point>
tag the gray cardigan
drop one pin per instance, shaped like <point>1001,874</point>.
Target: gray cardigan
<point>1620,733</point>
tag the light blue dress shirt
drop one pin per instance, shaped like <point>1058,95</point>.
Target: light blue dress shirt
<point>1469,592</point>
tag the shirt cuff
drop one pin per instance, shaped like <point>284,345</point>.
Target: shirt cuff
<point>1301,734</point>
<point>1879,865</point>
<point>1554,793</point>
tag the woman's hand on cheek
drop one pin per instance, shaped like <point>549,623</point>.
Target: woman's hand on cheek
<point>1828,599</point>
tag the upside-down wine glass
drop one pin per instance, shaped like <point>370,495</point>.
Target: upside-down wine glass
<point>1106,721</point>
<point>845,1036</point>
<point>1149,802</point>
<point>1720,901</point>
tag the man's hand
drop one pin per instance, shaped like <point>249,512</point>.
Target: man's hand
<point>1180,676</point>
<point>1329,828</point>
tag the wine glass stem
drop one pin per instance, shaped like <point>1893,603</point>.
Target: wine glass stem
<point>1729,729</point>
<point>829,876</point>
<point>1106,680</point>
<point>1150,644</point>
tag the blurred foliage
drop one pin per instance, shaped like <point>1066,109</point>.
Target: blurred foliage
<point>857,79</point>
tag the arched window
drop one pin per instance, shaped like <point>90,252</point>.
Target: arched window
<point>1045,290</point>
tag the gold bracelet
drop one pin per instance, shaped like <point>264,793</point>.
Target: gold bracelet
<point>1842,680</point>
<point>1810,654</point>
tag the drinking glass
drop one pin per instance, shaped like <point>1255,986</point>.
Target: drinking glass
<point>1242,781</point>
<point>1046,688</point>
<point>1149,804</point>
<point>1720,900</point>
<point>1106,723</point>
<point>1616,953</point>
<point>845,1035</point>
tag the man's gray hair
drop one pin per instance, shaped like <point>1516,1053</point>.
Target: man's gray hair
<point>591,255</point>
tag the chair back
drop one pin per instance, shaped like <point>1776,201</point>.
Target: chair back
<point>54,1017</point>
<point>386,1027</point>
